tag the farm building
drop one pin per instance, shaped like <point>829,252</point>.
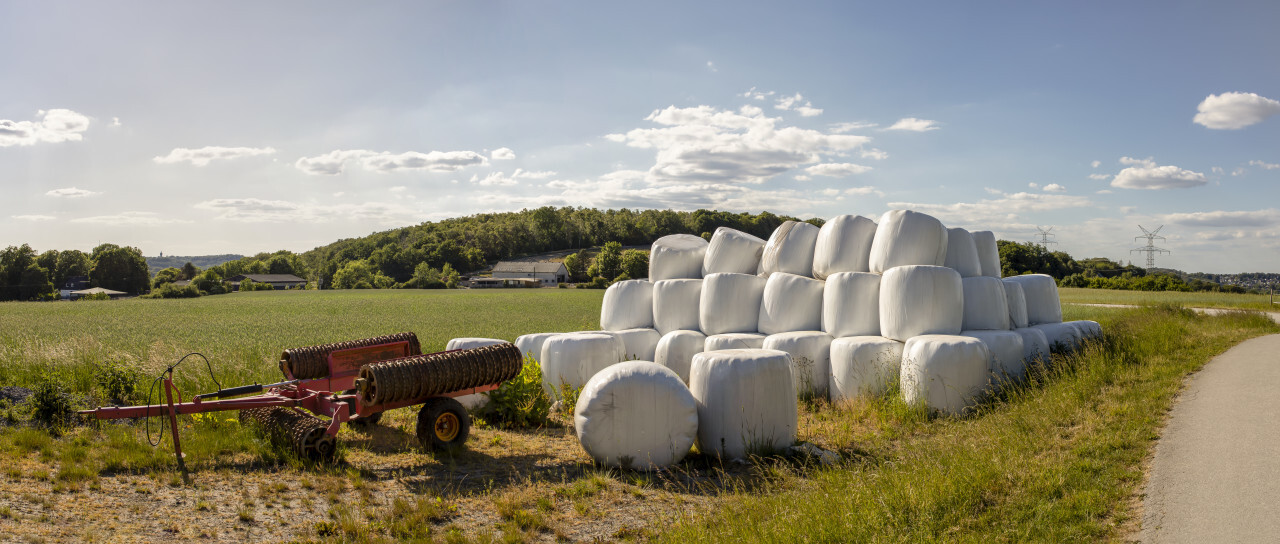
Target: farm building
<point>501,283</point>
<point>547,273</point>
<point>279,281</point>
<point>96,291</point>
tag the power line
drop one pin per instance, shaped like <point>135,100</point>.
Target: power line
<point>1150,249</point>
<point>1044,236</point>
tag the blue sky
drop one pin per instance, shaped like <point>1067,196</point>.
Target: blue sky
<point>238,127</point>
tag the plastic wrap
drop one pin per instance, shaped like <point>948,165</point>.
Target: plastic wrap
<point>1035,346</point>
<point>627,305</point>
<point>843,245</point>
<point>1006,349</point>
<point>467,343</point>
<point>1061,336</point>
<point>734,340</point>
<point>677,256</point>
<point>1041,292</point>
<point>676,350</point>
<point>746,402</point>
<point>1017,304</point>
<point>675,305</point>
<point>904,237</point>
<point>962,254</point>
<point>988,252</point>
<point>636,415</point>
<point>863,366</point>
<point>638,344</point>
<point>944,372</point>
<point>985,305</point>
<point>916,300</point>
<point>790,249</point>
<point>1089,330</point>
<point>851,304</point>
<point>732,251</point>
<point>531,344</point>
<point>730,303</point>
<point>790,303</point>
<point>573,358</point>
<point>810,353</point>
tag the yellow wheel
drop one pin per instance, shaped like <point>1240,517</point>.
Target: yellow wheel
<point>446,427</point>
<point>443,424</point>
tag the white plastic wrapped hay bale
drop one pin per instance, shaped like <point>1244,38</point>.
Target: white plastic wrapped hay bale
<point>944,372</point>
<point>843,245</point>
<point>730,303</point>
<point>746,402</point>
<point>531,344</point>
<point>1061,336</point>
<point>734,340</point>
<point>986,307</point>
<point>468,343</point>
<point>638,344</point>
<point>677,256</point>
<point>790,303</point>
<point>1089,330</point>
<point>904,238</point>
<point>1035,346</point>
<point>1006,353</point>
<point>675,305</point>
<point>676,350</point>
<point>732,251</point>
<point>1041,292</point>
<point>863,366</point>
<point>790,249</point>
<point>573,358</point>
<point>810,353</point>
<point>1017,304</point>
<point>962,254</point>
<point>637,415</point>
<point>627,305</point>
<point>988,252</point>
<point>916,300</point>
<point>851,304</point>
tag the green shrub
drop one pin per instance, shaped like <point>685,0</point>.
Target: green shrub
<point>95,296</point>
<point>521,401</point>
<point>250,285</point>
<point>170,290</point>
<point>118,382</point>
<point>51,405</point>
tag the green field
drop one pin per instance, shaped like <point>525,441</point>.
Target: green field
<point>1076,295</point>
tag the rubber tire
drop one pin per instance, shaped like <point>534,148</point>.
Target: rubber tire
<point>434,409</point>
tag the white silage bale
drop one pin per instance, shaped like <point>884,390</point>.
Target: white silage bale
<point>638,344</point>
<point>677,256</point>
<point>1035,346</point>
<point>734,340</point>
<point>746,402</point>
<point>1061,336</point>
<point>573,358</point>
<point>790,303</point>
<point>986,307</point>
<point>1017,304</point>
<point>851,304</point>
<point>676,350</point>
<point>916,300</point>
<point>843,245</point>
<point>1006,349</point>
<point>730,303</point>
<point>1041,292</point>
<point>531,344</point>
<point>863,366</point>
<point>810,353</point>
<point>962,254</point>
<point>627,305</point>
<point>1089,330</point>
<point>732,251</point>
<point>790,249</point>
<point>988,252</point>
<point>904,237</point>
<point>637,415</point>
<point>944,372</point>
<point>675,305</point>
<point>468,343</point>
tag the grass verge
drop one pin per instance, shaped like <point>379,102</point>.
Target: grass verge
<point>1199,299</point>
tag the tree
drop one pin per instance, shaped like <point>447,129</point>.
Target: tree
<point>166,276</point>
<point>35,284</point>
<point>608,263</point>
<point>189,271</point>
<point>360,275</point>
<point>14,261</point>
<point>635,263</point>
<point>577,264</point>
<point>71,263</point>
<point>120,268</point>
<point>209,282</point>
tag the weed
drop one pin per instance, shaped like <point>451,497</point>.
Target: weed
<point>520,402</point>
<point>245,515</point>
<point>51,405</point>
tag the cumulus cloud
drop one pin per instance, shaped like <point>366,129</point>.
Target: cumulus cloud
<point>70,192</point>
<point>873,153</point>
<point>333,162</point>
<point>1099,176</point>
<point>140,219</point>
<point>502,154</point>
<point>1032,185</point>
<point>757,95</point>
<point>914,125</point>
<point>53,126</point>
<point>503,180</point>
<point>254,210</point>
<point>837,170</point>
<point>1148,162</point>
<point>1005,209</point>
<point>1231,111</point>
<point>33,217</point>
<point>839,194</point>
<point>205,155</point>
<point>1095,164</point>
<point>1256,218</point>
<point>1054,188</point>
<point>1146,174</point>
<point>1264,165</point>
<point>842,128</point>
<point>798,104</point>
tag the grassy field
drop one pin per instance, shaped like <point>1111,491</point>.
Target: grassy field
<point>1191,300</point>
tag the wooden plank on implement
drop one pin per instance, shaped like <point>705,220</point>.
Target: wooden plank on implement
<point>348,361</point>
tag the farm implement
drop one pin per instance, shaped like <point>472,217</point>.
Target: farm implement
<point>348,382</point>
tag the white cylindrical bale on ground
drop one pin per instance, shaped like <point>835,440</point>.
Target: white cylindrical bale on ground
<point>676,350</point>
<point>730,303</point>
<point>531,344</point>
<point>627,305</point>
<point>1017,304</point>
<point>790,303</point>
<point>1041,292</point>
<point>863,366</point>
<point>734,340</point>
<point>468,343</point>
<point>638,344</point>
<point>1035,346</point>
<point>943,372</point>
<point>636,414</point>
<point>677,256</point>
<point>962,254</point>
<point>1061,336</point>
<point>916,300</point>
<point>573,358</point>
<point>1006,349</point>
<point>988,252</point>
<point>985,305</point>
<point>810,359</point>
<point>851,304</point>
<point>790,249</point>
<point>1089,330</point>
<point>746,402</point>
<point>675,305</point>
<point>843,245</point>
<point>904,237</point>
<point>733,252</point>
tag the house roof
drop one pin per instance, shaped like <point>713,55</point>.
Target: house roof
<point>267,278</point>
<point>527,267</point>
<point>98,290</point>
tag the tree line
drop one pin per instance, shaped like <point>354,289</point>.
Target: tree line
<point>27,275</point>
<point>1096,273</point>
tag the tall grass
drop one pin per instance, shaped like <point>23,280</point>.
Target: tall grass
<point>1077,295</point>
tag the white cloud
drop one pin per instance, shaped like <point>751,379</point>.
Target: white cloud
<point>71,192</point>
<point>1217,169</point>
<point>1148,162</point>
<point>1128,209</point>
<point>1264,165</point>
<point>115,121</point>
<point>333,162</point>
<point>757,95</point>
<point>1099,177</point>
<point>805,109</point>
<point>841,128</point>
<point>873,153</point>
<point>503,180</point>
<point>1054,188</point>
<point>1032,185</point>
<point>837,169</point>
<point>1230,111</point>
<point>140,219</point>
<point>1146,174</point>
<point>1095,164</point>
<point>54,126</point>
<point>1257,218</point>
<point>996,212</point>
<point>712,66</point>
<point>254,210</point>
<point>1104,191</point>
<point>398,189</point>
<point>34,217</point>
<point>502,154</point>
<point>205,155</point>
<point>914,125</point>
